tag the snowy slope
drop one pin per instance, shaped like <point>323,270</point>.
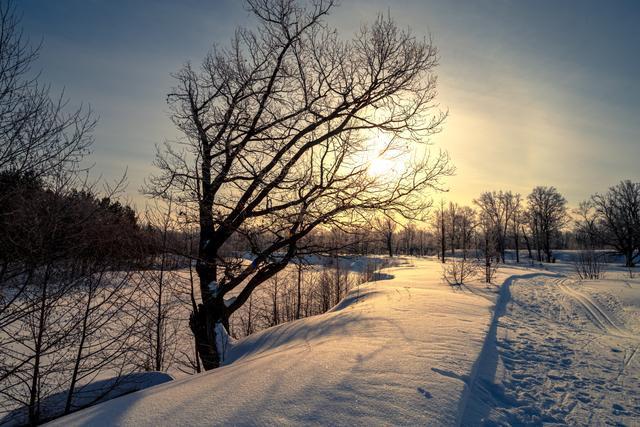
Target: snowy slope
<point>89,394</point>
<point>397,351</point>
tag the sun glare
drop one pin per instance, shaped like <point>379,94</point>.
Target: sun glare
<point>384,157</point>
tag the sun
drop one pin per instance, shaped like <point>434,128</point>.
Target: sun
<point>380,166</point>
<point>384,157</point>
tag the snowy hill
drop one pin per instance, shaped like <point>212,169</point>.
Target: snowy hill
<point>395,351</point>
<point>411,350</point>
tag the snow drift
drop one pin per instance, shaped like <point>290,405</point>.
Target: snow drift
<point>399,351</point>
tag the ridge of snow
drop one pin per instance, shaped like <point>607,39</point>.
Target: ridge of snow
<point>396,351</point>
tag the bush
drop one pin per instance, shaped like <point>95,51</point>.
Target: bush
<point>589,265</point>
<point>458,271</point>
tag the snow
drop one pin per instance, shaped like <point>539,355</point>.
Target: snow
<point>90,394</point>
<point>397,351</point>
<point>223,341</point>
<point>563,352</point>
<point>542,348</point>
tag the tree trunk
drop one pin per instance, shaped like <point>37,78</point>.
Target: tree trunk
<point>76,366</point>
<point>159,310</point>
<point>526,241</point>
<point>487,260</point>
<point>203,325</point>
<point>299,291</point>
<point>538,248</point>
<point>211,311</point>
<point>442,234</point>
<point>628,259</point>
<point>516,237</point>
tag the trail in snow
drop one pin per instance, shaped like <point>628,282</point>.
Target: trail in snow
<point>595,312</point>
<point>561,357</point>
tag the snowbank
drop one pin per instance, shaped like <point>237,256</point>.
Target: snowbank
<point>90,394</point>
<point>398,351</point>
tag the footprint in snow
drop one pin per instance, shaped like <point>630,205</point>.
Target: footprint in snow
<point>425,393</point>
<point>619,410</point>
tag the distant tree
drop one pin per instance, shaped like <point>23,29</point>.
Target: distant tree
<point>618,219</point>
<point>452,220</point>
<point>488,241</point>
<point>468,224</point>
<point>387,228</point>
<point>587,226</point>
<point>440,225</point>
<point>277,130</point>
<point>498,209</point>
<point>516,223</point>
<point>547,210</point>
<point>408,236</point>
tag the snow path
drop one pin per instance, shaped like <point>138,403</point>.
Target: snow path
<point>394,352</point>
<point>559,356</point>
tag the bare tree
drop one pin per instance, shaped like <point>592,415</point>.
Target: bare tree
<point>589,265</point>
<point>618,218</point>
<point>498,208</point>
<point>468,225</point>
<point>387,228</point>
<point>516,222</point>
<point>587,226</point>
<point>277,130</point>
<point>453,219</point>
<point>548,212</point>
<point>67,320</point>
<point>159,302</point>
<point>440,225</point>
<point>488,238</point>
<point>65,253</point>
<point>39,134</point>
<point>408,236</point>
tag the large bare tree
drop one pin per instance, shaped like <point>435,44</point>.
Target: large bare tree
<point>278,129</point>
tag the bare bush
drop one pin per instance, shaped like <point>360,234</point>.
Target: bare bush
<point>459,270</point>
<point>589,265</point>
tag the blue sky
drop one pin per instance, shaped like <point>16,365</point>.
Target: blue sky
<point>539,92</point>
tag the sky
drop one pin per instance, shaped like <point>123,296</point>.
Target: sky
<point>538,92</point>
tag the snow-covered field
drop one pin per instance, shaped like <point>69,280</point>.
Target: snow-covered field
<point>566,353</point>
<point>411,350</point>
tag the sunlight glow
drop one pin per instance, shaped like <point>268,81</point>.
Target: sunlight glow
<point>384,156</point>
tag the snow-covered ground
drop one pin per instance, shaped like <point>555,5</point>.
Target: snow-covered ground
<point>413,351</point>
<point>395,351</point>
<point>566,354</point>
<point>91,394</point>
